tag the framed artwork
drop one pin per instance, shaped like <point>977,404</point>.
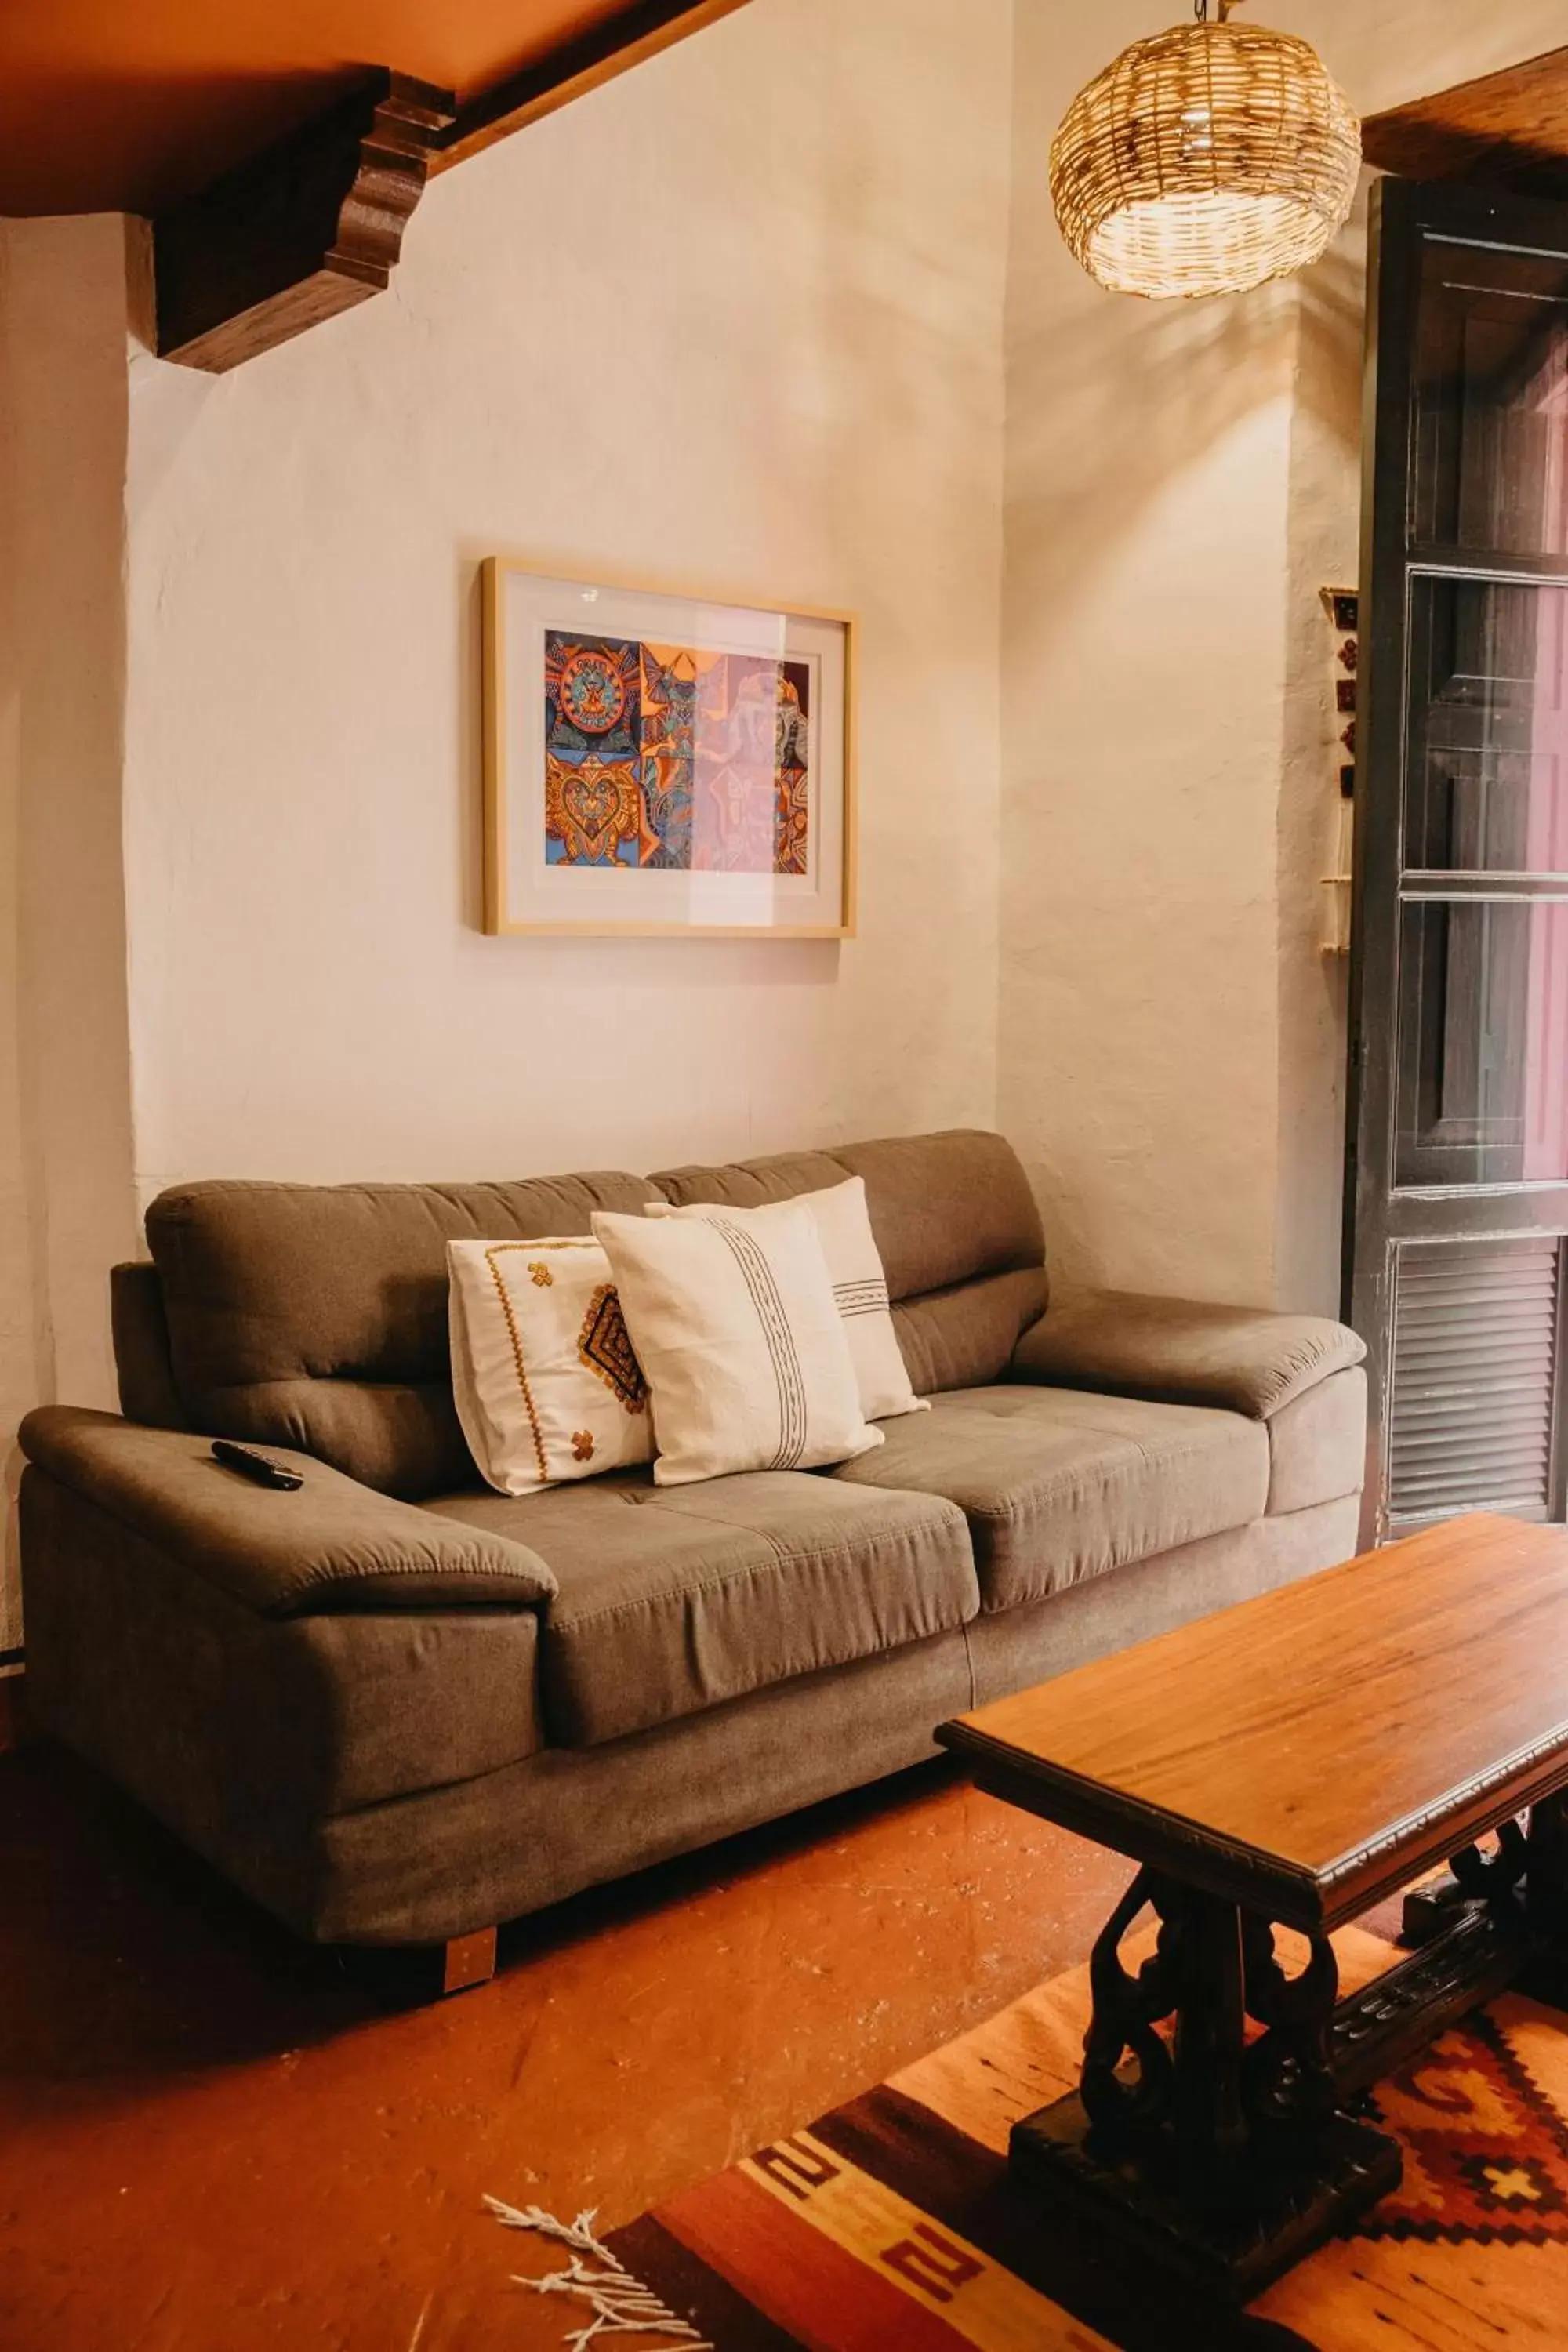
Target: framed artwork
<point>659,763</point>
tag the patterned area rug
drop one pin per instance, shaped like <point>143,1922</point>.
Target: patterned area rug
<point>892,2226</point>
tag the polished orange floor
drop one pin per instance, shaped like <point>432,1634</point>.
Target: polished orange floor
<point>214,2140</point>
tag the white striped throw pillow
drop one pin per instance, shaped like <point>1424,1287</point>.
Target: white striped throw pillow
<point>860,1289</point>
<point>739,1336</point>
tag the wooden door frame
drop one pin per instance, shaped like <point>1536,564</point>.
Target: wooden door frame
<point>1402,214</point>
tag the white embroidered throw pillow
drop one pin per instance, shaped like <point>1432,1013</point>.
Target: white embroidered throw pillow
<point>735,1326</point>
<point>545,1383</point>
<point>859,1290</point>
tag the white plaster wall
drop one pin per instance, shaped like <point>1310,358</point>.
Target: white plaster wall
<point>1144,674</point>
<point>1387,52</point>
<point>66,1203</point>
<point>1181,482</point>
<point>18,1368</point>
<point>735,321</point>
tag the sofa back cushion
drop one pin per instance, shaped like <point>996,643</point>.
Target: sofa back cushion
<point>315,1316</point>
<point>148,1393</point>
<point>957,1227</point>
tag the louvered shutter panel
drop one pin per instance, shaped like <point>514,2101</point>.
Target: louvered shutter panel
<point>1473,1401</point>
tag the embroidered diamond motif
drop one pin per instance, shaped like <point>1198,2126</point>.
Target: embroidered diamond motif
<point>542,1278</point>
<point>582,1445</point>
<point>605,1348</point>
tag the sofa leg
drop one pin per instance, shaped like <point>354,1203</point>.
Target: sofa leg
<point>469,1960</point>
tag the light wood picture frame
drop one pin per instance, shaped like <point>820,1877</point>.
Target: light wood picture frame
<point>663,763</point>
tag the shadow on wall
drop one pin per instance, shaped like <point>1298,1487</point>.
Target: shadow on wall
<point>894,370</point>
<point>1112,396</point>
<point>1331,308</point>
<point>1181,480</point>
<point>1130,924</point>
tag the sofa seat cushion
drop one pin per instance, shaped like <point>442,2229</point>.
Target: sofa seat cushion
<point>1058,1486</point>
<point>676,1599</point>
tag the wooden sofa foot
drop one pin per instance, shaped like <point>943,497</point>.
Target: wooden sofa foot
<point>469,1960</point>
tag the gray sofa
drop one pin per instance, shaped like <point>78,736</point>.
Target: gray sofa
<point>397,1707</point>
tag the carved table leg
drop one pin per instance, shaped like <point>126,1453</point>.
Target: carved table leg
<point>1126,2010</point>
<point>1545,1974</point>
<point>1428,1911</point>
<point>1546,1872</point>
<point>1290,2071</point>
<point>1471,1877</point>
<point>1209,2112</point>
<point>1219,2162</point>
<point>1495,1920</point>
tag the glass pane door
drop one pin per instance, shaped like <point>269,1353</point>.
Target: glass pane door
<point>1458,1156</point>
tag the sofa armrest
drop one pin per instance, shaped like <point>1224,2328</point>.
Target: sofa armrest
<point>1174,1351</point>
<point>332,1546</point>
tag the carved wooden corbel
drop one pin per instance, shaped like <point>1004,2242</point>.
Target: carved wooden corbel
<point>308,228</point>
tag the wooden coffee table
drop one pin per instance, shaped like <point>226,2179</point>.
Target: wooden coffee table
<point>1292,1762</point>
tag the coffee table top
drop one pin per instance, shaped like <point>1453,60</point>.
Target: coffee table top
<point>1307,1753</point>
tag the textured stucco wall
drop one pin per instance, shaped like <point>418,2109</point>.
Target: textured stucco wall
<point>1144,667</point>
<point>1387,52</point>
<point>18,1353</point>
<point>735,321</point>
<point>66,1192</point>
<point>1181,482</point>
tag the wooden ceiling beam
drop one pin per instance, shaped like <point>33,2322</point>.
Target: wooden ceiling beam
<point>627,40</point>
<point>1506,130</point>
<point>315,223</point>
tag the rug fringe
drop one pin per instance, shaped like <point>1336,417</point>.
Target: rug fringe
<point>620,2303</point>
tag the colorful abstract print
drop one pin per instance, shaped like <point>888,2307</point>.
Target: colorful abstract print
<point>659,758</point>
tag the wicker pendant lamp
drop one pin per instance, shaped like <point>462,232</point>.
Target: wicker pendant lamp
<point>1205,161</point>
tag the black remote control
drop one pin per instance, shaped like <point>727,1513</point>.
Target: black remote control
<point>259,1467</point>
